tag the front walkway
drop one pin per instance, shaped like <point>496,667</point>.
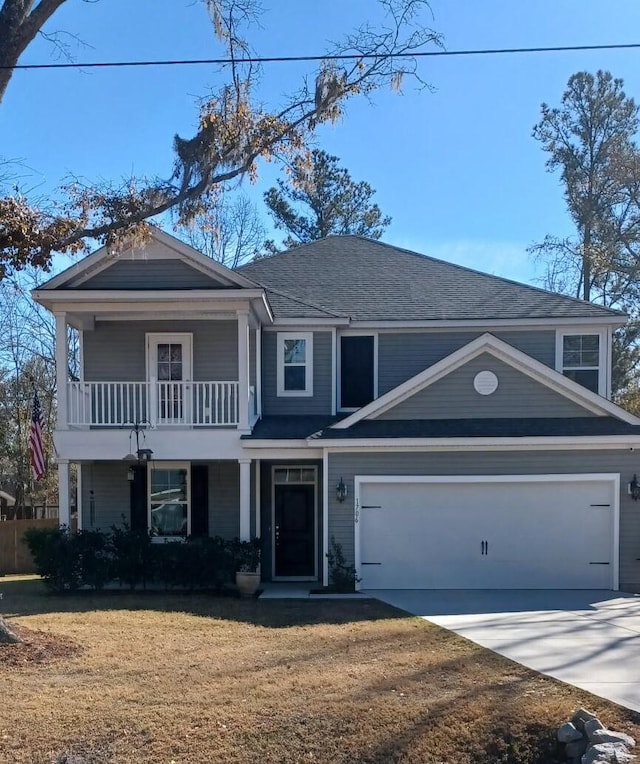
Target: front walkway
<point>590,639</point>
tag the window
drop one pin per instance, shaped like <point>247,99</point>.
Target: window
<point>169,506</point>
<point>295,364</point>
<point>581,359</point>
<point>357,370</point>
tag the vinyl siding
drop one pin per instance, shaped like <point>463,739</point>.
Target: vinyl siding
<point>224,499</point>
<point>402,355</point>
<point>111,492</point>
<point>454,397</point>
<point>108,480</point>
<point>150,274</point>
<point>320,401</point>
<point>116,350</point>
<point>348,465</point>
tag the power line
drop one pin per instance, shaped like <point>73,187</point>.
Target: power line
<point>331,57</point>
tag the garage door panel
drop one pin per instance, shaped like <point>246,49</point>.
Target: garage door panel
<point>485,535</point>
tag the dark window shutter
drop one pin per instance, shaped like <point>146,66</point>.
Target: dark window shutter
<point>139,498</point>
<point>199,500</point>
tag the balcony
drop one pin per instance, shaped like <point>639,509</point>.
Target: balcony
<point>158,404</point>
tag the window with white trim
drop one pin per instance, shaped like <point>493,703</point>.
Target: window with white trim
<point>295,364</point>
<point>581,359</point>
<point>169,500</point>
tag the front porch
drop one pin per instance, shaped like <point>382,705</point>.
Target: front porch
<point>173,499</point>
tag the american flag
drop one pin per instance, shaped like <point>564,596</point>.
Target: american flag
<point>35,440</point>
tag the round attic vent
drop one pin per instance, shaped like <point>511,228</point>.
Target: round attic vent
<point>485,382</point>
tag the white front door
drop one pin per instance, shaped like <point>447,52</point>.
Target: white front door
<point>528,533</point>
<point>169,367</point>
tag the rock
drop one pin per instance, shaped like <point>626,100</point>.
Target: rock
<point>608,753</point>
<point>592,726</point>
<point>576,748</point>
<point>567,733</point>
<point>581,716</point>
<point>609,736</point>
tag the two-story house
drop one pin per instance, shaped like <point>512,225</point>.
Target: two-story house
<point>450,429</point>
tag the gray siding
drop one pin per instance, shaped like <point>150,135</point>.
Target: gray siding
<point>150,274</point>
<point>402,355</point>
<point>454,396</point>
<point>108,480</point>
<point>111,492</point>
<point>116,350</point>
<point>320,401</point>
<point>224,499</point>
<point>347,465</point>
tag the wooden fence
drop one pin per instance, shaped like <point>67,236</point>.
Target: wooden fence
<point>14,554</point>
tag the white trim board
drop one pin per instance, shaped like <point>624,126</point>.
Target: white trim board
<point>488,343</point>
<point>610,477</point>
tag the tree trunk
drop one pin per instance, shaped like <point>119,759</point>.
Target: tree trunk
<point>586,264</point>
<point>18,27</point>
<point>7,635</point>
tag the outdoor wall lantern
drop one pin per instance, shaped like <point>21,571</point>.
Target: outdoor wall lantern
<point>341,491</point>
<point>634,488</point>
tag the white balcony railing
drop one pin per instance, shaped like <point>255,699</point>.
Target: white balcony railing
<point>182,404</point>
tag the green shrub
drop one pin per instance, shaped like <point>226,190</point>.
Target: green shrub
<point>56,553</point>
<point>246,555</point>
<point>343,576</point>
<point>68,561</point>
<point>131,555</point>
<point>96,559</point>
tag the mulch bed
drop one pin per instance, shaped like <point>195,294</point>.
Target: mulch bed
<point>38,647</point>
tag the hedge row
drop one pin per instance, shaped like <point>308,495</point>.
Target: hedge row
<point>68,561</point>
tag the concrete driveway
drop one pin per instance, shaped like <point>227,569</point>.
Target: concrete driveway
<point>590,639</point>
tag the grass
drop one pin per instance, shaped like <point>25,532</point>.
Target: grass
<point>194,679</point>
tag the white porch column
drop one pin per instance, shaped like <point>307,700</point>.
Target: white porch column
<point>61,371</point>
<point>243,371</point>
<point>245,499</point>
<point>64,506</point>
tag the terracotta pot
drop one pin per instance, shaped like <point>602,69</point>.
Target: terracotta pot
<point>247,583</point>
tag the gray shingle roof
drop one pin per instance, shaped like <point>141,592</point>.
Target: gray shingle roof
<point>366,280</point>
<point>290,427</point>
<point>299,427</point>
<point>482,428</point>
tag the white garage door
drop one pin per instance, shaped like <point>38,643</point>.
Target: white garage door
<point>497,533</point>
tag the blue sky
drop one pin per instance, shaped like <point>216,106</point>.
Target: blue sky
<point>456,168</point>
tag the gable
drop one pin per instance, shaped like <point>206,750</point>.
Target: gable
<point>163,262</point>
<point>150,274</point>
<point>455,397</point>
<point>489,345</point>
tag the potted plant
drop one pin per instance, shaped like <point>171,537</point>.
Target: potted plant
<point>247,558</point>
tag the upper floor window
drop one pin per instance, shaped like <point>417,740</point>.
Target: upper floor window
<point>581,359</point>
<point>295,364</point>
<point>357,370</point>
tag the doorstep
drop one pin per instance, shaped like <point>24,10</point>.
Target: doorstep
<point>301,590</point>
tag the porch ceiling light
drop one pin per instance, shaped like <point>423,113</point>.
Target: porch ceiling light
<point>634,488</point>
<point>341,491</point>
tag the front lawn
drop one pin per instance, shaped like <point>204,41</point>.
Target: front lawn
<point>192,680</point>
